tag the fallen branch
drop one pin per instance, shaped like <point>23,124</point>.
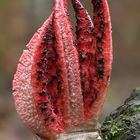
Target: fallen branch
<point>124,122</point>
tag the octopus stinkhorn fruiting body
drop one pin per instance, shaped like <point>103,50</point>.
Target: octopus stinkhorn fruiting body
<point>61,80</point>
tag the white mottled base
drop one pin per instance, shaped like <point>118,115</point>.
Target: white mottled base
<point>80,136</point>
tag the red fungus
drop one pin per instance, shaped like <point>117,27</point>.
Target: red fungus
<point>59,85</point>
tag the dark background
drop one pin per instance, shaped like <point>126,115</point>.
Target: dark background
<point>19,19</point>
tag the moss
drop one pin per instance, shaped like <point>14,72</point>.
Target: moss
<point>136,108</point>
<point>137,90</point>
<point>124,122</point>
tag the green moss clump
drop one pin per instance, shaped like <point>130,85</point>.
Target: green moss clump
<point>124,122</point>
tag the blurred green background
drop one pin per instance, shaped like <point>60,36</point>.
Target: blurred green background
<point>19,19</point>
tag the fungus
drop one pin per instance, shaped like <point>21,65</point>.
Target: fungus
<point>60,84</point>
